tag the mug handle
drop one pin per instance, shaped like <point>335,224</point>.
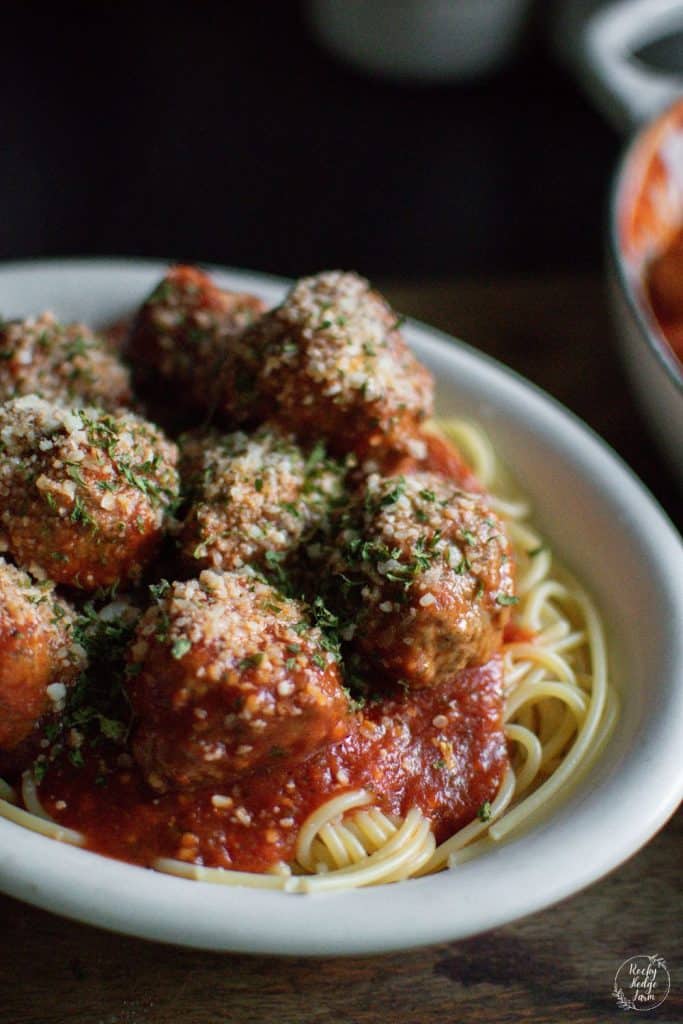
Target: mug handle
<point>628,91</point>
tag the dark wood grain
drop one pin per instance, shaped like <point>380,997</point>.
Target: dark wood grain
<point>557,332</point>
<point>555,966</point>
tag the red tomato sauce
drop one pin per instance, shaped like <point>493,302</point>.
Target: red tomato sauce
<point>437,455</point>
<point>664,285</point>
<point>514,634</point>
<point>441,749</point>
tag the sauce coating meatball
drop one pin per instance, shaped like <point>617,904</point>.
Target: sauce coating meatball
<point>227,677</point>
<point>426,572</point>
<point>426,450</point>
<point>65,363</point>
<point>83,494</point>
<point>39,658</point>
<point>255,498</point>
<point>334,362</point>
<point>184,333</point>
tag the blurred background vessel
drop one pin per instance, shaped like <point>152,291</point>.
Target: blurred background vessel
<point>414,141</point>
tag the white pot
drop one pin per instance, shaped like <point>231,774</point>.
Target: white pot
<point>645,210</point>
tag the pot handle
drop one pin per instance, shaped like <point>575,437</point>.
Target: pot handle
<point>628,90</point>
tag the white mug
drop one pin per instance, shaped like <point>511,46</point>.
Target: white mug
<point>420,40</point>
<point>603,42</point>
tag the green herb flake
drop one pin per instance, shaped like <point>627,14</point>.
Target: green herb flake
<point>484,812</point>
<point>73,470</point>
<point>158,590</point>
<point>180,648</point>
<point>76,757</point>
<point>252,661</point>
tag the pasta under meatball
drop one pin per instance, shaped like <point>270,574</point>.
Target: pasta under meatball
<point>422,573</point>
<point>227,676</point>
<point>39,657</point>
<point>254,498</point>
<point>65,363</point>
<point>83,494</point>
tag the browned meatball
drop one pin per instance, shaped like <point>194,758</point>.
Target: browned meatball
<point>335,364</point>
<point>229,676</point>
<point>83,494</point>
<point>39,658</point>
<point>426,450</point>
<point>255,498</point>
<point>65,363</point>
<point>426,572</point>
<point>183,334</point>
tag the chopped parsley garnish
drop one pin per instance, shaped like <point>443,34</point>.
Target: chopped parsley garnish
<point>157,590</point>
<point>180,647</point>
<point>252,661</point>
<point>394,494</point>
<point>80,514</point>
<point>78,347</point>
<point>97,707</point>
<point>315,456</point>
<point>484,812</point>
<point>506,599</point>
<point>162,292</point>
<point>74,471</point>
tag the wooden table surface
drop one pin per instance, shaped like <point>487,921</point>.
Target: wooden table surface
<point>555,966</point>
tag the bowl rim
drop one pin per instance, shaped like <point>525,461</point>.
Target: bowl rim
<point>97,890</point>
<point>642,314</point>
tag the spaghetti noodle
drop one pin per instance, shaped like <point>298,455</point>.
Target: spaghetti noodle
<point>559,711</point>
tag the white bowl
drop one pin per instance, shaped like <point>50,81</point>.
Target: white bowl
<point>601,521</point>
<point>646,209</point>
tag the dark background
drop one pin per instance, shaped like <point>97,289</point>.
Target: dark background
<point>223,132</point>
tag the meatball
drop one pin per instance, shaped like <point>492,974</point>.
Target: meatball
<point>39,657</point>
<point>83,494</point>
<point>65,363</point>
<point>335,364</point>
<point>426,450</point>
<point>183,334</point>
<point>227,676</point>
<point>423,574</point>
<point>255,498</point>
